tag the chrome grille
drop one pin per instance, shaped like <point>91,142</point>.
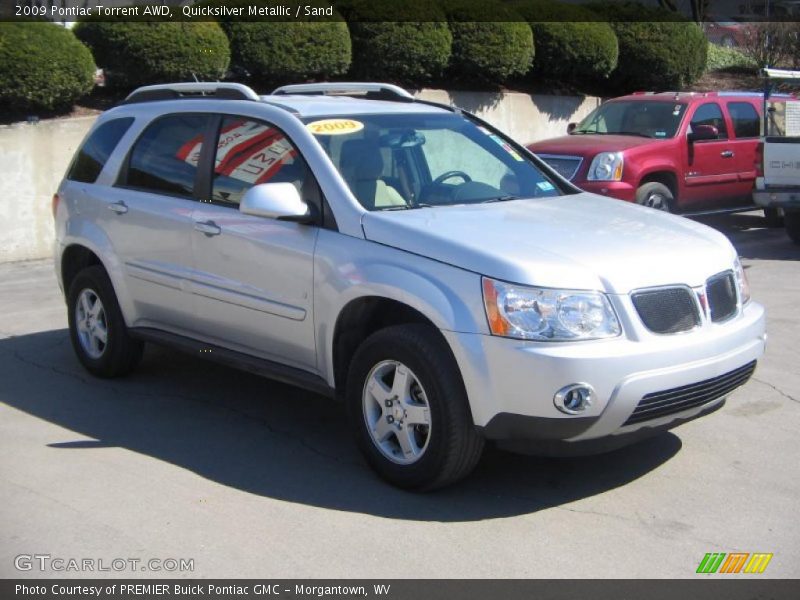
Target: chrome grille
<point>667,310</point>
<point>659,404</point>
<point>566,166</point>
<point>721,294</point>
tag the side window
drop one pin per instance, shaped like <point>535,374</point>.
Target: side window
<point>252,152</point>
<point>711,114</point>
<point>164,159</point>
<point>746,122</point>
<point>94,153</point>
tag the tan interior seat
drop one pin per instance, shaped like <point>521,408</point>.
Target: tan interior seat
<point>362,166</point>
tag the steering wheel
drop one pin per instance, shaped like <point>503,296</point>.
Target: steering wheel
<point>448,174</point>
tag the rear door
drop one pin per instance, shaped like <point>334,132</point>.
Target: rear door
<point>746,127</point>
<point>148,219</point>
<point>711,173</point>
<point>253,281</point>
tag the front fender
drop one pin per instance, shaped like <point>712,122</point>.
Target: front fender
<point>347,269</point>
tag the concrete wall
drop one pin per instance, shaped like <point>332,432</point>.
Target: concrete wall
<point>34,157</point>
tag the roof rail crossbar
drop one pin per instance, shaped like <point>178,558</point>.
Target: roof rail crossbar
<point>375,90</point>
<point>210,89</point>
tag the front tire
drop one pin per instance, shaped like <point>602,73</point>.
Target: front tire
<point>655,195</point>
<point>408,409</point>
<point>773,216</point>
<point>791,220</point>
<point>96,326</point>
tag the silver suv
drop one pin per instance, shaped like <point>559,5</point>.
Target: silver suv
<point>403,257</point>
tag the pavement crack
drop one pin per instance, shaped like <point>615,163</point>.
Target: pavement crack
<point>777,389</point>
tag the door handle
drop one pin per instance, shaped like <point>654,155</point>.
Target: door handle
<point>207,227</point>
<point>118,207</point>
<point>726,154</point>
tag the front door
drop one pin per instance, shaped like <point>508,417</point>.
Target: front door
<point>253,280</point>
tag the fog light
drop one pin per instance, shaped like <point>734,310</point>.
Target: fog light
<point>574,399</point>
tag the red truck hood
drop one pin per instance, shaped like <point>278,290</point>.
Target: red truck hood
<point>589,144</point>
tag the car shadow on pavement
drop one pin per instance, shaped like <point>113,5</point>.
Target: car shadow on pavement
<point>749,233</point>
<point>276,441</point>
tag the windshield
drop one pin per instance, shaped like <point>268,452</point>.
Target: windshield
<point>402,161</point>
<point>650,118</point>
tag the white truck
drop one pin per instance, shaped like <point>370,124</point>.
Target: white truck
<point>778,179</point>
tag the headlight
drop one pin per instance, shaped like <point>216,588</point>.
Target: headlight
<point>741,282</point>
<point>606,166</point>
<point>544,314</point>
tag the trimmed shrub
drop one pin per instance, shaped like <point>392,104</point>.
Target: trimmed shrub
<point>728,59</point>
<point>136,53</point>
<point>42,67</point>
<point>407,42</point>
<point>572,45</point>
<point>658,49</point>
<point>289,51</point>
<point>492,51</point>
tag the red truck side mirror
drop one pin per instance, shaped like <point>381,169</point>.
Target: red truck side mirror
<point>571,127</point>
<point>703,132</point>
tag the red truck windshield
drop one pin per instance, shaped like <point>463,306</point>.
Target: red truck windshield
<point>650,118</point>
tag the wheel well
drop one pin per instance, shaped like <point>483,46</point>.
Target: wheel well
<point>360,319</point>
<point>664,177</point>
<point>73,261</point>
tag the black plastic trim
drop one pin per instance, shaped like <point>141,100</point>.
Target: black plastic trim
<point>245,362</point>
<point>508,426</point>
<point>601,445</point>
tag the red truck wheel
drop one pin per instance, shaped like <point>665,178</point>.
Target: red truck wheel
<point>655,195</point>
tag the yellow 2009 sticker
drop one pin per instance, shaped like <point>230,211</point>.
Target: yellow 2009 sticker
<point>334,126</point>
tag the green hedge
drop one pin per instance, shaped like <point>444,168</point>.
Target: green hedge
<point>572,45</point>
<point>304,48</point>
<point>657,51</point>
<point>134,53</point>
<point>728,59</point>
<point>42,67</point>
<point>491,51</point>
<point>407,42</point>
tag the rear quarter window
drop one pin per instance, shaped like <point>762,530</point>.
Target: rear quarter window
<point>92,156</point>
<point>746,122</point>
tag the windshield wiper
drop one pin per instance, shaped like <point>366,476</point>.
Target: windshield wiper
<point>500,199</point>
<point>636,133</point>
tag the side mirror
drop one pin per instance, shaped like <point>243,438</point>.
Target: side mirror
<point>571,127</point>
<point>279,201</point>
<point>703,132</point>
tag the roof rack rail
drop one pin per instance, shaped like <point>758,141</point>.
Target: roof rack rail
<point>174,91</point>
<point>372,90</point>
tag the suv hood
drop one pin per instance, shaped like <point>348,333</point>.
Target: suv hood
<point>589,145</point>
<point>580,241</point>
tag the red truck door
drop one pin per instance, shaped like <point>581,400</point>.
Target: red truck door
<point>746,127</point>
<point>710,173</point>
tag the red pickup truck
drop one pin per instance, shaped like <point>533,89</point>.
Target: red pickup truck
<point>680,152</point>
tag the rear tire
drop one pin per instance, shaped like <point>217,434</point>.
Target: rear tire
<point>791,220</point>
<point>96,326</point>
<point>416,432</point>
<point>773,217</point>
<point>655,195</point>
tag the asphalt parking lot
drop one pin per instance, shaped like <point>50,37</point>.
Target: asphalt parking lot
<point>250,478</point>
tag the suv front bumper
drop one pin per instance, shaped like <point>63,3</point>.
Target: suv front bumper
<point>511,383</point>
